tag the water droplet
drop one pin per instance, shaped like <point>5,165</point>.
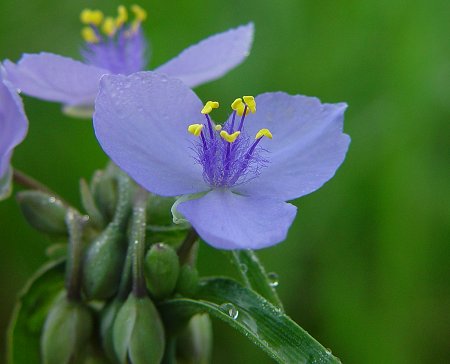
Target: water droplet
<point>243,268</point>
<point>230,309</point>
<point>273,279</point>
<point>52,199</point>
<point>328,351</point>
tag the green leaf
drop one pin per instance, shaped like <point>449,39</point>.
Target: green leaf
<point>250,314</point>
<point>24,332</point>
<point>254,275</point>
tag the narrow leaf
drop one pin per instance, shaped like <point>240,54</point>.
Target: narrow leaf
<point>250,314</point>
<point>254,275</point>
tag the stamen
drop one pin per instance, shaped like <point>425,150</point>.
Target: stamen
<point>89,35</point>
<point>122,16</point>
<point>251,103</point>
<point>139,13</point>
<point>238,106</point>
<point>263,133</point>
<point>209,106</point>
<point>230,138</point>
<point>109,26</point>
<point>195,129</point>
<point>218,127</point>
<point>91,17</point>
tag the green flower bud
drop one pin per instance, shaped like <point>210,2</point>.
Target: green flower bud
<point>194,344</point>
<point>66,331</point>
<point>138,332</point>
<point>161,268</point>
<point>103,262</point>
<point>107,318</point>
<point>43,211</point>
<point>158,210</point>
<point>187,283</point>
<point>104,191</point>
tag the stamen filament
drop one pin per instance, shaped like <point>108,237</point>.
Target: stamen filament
<point>242,118</point>
<point>211,134</point>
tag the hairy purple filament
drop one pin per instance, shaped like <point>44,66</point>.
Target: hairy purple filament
<point>123,52</point>
<point>227,164</point>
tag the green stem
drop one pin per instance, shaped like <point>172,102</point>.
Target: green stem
<point>27,181</point>
<point>137,240</point>
<point>187,248</point>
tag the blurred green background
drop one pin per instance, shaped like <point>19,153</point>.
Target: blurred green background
<point>365,266</point>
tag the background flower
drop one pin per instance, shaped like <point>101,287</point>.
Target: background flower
<point>13,128</point>
<point>120,47</point>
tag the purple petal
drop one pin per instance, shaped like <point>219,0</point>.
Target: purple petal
<point>308,144</point>
<point>55,78</point>
<point>13,128</point>
<point>229,221</point>
<point>212,57</point>
<point>141,122</point>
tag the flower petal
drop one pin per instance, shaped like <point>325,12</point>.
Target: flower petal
<point>55,78</point>
<point>229,221</point>
<point>13,128</point>
<point>212,57</point>
<point>141,122</point>
<point>308,144</point>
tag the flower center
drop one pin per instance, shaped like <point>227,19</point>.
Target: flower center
<point>113,43</point>
<point>227,154</point>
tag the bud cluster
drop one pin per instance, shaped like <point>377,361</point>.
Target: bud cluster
<point>101,315</point>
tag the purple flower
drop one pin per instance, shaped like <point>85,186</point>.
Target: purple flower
<point>13,128</point>
<point>235,177</point>
<point>117,46</point>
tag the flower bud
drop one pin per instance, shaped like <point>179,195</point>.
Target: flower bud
<point>161,270</point>
<point>43,211</point>
<point>187,280</point>
<point>194,344</point>
<point>103,262</point>
<point>158,210</point>
<point>107,318</point>
<point>138,333</point>
<point>66,331</point>
<point>104,191</point>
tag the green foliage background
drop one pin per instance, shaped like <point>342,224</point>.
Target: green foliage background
<point>365,266</point>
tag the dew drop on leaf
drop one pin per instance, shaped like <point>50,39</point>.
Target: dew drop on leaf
<point>230,309</point>
<point>273,279</point>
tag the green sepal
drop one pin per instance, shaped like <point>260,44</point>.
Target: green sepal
<point>107,317</point>
<point>194,344</point>
<point>161,270</point>
<point>66,331</point>
<point>187,283</point>
<point>138,333</point>
<point>103,263</point>
<point>44,212</point>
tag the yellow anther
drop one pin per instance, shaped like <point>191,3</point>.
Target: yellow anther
<point>209,106</point>
<point>91,17</point>
<point>89,35</point>
<point>139,13</point>
<point>218,127</point>
<point>109,26</point>
<point>122,15</point>
<point>250,102</point>
<point>239,106</point>
<point>263,133</point>
<point>195,129</point>
<point>230,138</point>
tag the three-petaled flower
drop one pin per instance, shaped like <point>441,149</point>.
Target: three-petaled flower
<point>13,128</point>
<point>235,182</point>
<point>118,46</point>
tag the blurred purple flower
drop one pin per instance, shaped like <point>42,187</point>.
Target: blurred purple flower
<point>13,128</point>
<point>233,184</point>
<point>116,46</point>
